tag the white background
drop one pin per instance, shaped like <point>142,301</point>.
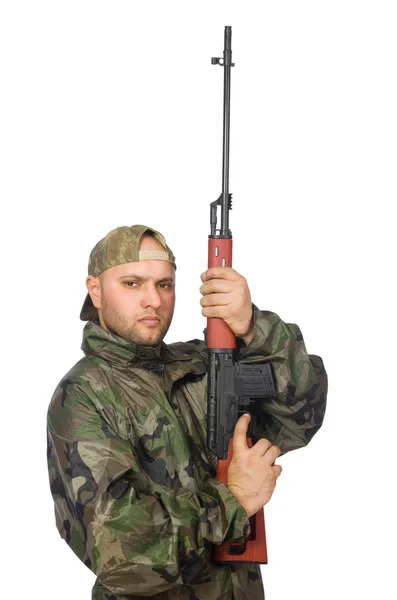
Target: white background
<point>111,114</point>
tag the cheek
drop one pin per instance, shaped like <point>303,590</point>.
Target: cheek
<point>130,302</point>
<point>121,301</point>
<point>169,301</point>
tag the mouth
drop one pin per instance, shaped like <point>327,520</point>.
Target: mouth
<point>149,320</point>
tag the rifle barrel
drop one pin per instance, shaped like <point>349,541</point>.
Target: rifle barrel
<point>227,64</point>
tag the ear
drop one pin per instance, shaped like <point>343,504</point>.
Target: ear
<point>94,289</point>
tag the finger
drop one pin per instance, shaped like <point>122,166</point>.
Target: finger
<point>277,470</point>
<point>221,273</point>
<point>272,454</point>
<point>240,434</point>
<point>216,286</point>
<point>216,312</point>
<point>260,447</point>
<point>215,300</point>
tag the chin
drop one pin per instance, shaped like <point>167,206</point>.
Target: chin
<point>150,339</point>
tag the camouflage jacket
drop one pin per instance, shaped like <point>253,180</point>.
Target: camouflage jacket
<point>133,482</point>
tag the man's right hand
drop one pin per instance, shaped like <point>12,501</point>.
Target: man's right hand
<point>252,474</point>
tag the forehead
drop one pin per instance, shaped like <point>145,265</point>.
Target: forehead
<point>149,242</point>
<point>150,269</point>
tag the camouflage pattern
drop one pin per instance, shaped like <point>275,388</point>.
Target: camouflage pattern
<point>119,246</point>
<point>133,482</point>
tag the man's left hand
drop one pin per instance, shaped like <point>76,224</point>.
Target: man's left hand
<point>226,296</point>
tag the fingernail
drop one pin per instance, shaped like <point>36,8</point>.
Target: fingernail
<point>247,415</point>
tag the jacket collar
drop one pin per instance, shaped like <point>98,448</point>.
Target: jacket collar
<point>119,351</point>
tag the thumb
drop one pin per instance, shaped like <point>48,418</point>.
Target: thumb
<point>240,434</point>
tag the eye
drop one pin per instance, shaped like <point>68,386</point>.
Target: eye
<point>166,285</point>
<point>130,283</point>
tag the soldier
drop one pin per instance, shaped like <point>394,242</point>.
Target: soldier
<point>133,482</point>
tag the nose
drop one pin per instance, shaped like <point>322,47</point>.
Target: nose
<point>151,296</point>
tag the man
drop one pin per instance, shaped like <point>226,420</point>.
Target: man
<point>134,484</point>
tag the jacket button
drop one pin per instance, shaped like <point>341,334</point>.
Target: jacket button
<point>174,406</point>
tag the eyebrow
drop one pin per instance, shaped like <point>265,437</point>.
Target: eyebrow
<point>141,278</point>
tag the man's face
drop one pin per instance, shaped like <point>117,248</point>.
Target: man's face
<point>136,300</point>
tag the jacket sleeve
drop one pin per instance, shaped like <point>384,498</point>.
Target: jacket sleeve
<point>290,419</point>
<point>138,537</point>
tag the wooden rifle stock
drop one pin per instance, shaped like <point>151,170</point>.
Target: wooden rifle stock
<point>220,336</point>
<point>254,548</point>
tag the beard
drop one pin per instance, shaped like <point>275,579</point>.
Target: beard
<point>132,329</point>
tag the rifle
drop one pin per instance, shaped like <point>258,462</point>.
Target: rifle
<point>233,387</point>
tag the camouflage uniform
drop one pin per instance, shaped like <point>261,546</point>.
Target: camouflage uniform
<point>133,482</point>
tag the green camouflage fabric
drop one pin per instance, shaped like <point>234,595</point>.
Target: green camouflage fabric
<point>119,246</point>
<point>133,482</point>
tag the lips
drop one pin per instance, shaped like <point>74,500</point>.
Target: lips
<point>150,320</point>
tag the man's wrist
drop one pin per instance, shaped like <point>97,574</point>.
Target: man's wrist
<point>248,337</point>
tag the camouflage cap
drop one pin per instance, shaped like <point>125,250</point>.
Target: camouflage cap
<point>120,246</point>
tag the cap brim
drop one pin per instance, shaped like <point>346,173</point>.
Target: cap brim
<point>88,311</point>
